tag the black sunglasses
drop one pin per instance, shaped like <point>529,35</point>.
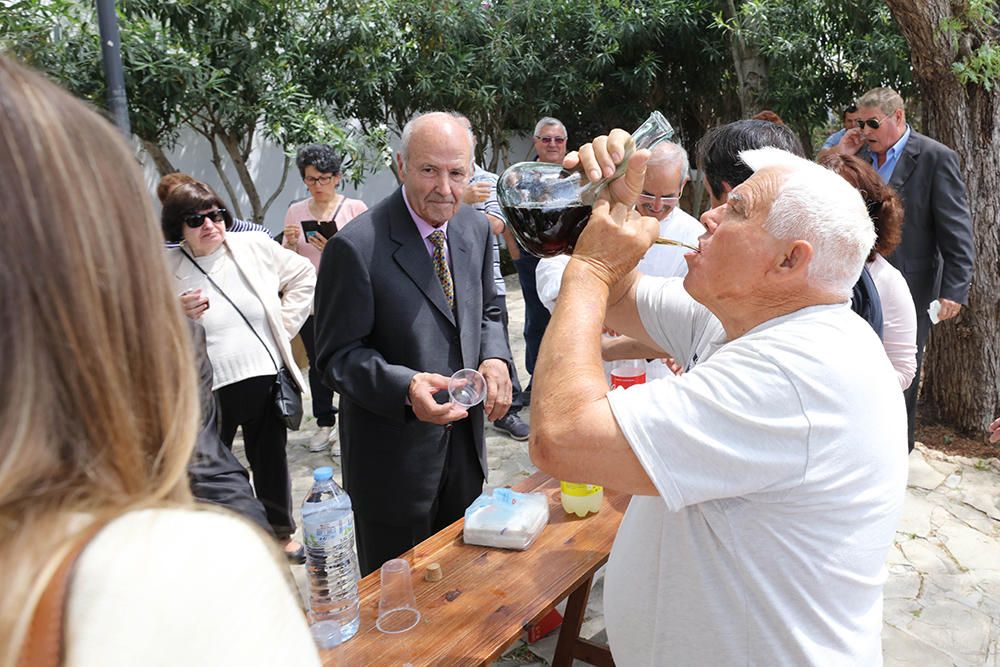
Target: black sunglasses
<point>196,220</point>
<point>873,123</point>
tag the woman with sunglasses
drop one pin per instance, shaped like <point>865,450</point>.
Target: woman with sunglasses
<point>319,168</point>
<point>253,297</point>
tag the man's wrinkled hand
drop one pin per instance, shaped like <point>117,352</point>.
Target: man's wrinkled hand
<point>614,241</point>
<point>423,386</point>
<point>498,388</point>
<point>851,142</point>
<point>601,157</point>
<point>949,309</point>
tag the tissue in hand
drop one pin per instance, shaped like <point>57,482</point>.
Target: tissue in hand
<point>934,310</point>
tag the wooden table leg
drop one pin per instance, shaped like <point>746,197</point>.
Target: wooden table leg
<point>570,645</point>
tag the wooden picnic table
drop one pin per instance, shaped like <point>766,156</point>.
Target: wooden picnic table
<point>488,596</point>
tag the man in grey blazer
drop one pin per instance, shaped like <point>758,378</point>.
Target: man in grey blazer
<point>405,298</point>
<point>937,251</point>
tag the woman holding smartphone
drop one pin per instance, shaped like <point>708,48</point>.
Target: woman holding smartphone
<point>319,167</point>
<point>248,328</point>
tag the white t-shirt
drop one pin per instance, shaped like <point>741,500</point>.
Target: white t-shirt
<point>667,260</point>
<point>662,261</point>
<point>899,319</point>
<point>183,587</point>
<point>780,461</point>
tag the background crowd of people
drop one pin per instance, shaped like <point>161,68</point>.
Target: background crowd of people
<point>157,343</point>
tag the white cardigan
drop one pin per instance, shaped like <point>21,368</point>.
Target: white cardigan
<point>283,280</point>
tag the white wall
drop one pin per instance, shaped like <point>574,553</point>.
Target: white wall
<point>193,155</point>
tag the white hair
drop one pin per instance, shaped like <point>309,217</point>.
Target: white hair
<point>670,153</point>
<point>547,121</point>
<point>817,205</point>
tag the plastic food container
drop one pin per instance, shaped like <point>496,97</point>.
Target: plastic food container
<point>506,519</point>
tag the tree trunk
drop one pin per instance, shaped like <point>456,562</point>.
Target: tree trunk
<point>220,170</point>
<point>160,159</point>
<point>237,154</point>
<point>281,186</point>
<point>962,361</point>
<point>750,66</point>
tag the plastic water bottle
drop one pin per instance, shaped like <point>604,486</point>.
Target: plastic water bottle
<point>628,372</point>
<point>331,563</point>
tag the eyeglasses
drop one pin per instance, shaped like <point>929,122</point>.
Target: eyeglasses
<point>549,140</point>
<point>649,200</point>
<point>873,123</point>
<point>196,220</point>
<point>314,180</point>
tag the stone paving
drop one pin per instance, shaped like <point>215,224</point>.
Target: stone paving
<point>942,598</point>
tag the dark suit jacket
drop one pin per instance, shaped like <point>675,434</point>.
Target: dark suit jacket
<point>381,317</point>
<point>937,229</point>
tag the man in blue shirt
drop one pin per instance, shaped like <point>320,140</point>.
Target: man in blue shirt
<point>850,121</point>
<point>937,251</point>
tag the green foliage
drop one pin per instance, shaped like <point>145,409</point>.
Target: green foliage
<point>291,69</point>
<point>228,69</point>
<point>822,54</point>
<point>505,64</point>
<point>972,35</point>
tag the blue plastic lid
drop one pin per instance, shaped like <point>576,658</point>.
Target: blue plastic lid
<point>323,474</point>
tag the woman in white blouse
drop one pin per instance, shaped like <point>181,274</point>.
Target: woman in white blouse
<point>899,317</point>
<point>252,296</point>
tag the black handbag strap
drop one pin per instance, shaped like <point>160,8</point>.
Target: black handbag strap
<point>235,307</point>
<point>333,218</point>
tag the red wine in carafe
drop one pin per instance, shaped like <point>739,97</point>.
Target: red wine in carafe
<point>550,230</point>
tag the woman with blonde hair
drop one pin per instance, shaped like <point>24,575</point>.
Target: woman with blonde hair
<point>99,417</point>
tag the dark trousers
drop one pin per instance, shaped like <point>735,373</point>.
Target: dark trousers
<point>461,483</point>
<point>536,316</point>
<point>923,331</point>
<point>517,400</point>
<point>322,396</point>
<point>248,403</point>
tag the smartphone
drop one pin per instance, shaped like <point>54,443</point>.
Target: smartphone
<point>312,227</point>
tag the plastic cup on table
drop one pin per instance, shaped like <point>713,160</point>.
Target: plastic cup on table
<point>397,606</point>
<point>467,387</point>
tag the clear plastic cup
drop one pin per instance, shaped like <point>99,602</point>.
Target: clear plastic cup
<point>467,387</point>
<point>397,606</point>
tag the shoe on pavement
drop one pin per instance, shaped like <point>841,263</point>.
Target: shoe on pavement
<point>512,425</point>
<point>321,439</point>
<point>295,552</point>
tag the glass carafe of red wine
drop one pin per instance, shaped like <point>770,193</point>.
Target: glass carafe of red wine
<point>547,207</point>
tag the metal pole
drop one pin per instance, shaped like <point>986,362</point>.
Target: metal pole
<point>114,75</point>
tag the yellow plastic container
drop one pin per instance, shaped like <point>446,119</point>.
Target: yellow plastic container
<point>581,499</point>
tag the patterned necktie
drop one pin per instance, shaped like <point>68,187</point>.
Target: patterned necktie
<point>441,267</point>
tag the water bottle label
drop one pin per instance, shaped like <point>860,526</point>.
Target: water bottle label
<point>625,381</point>
<point>575,489</point>
<point>316,535</point>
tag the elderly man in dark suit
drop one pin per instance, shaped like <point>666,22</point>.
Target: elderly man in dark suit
<point>937,251</point>
<point>405,298</point>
